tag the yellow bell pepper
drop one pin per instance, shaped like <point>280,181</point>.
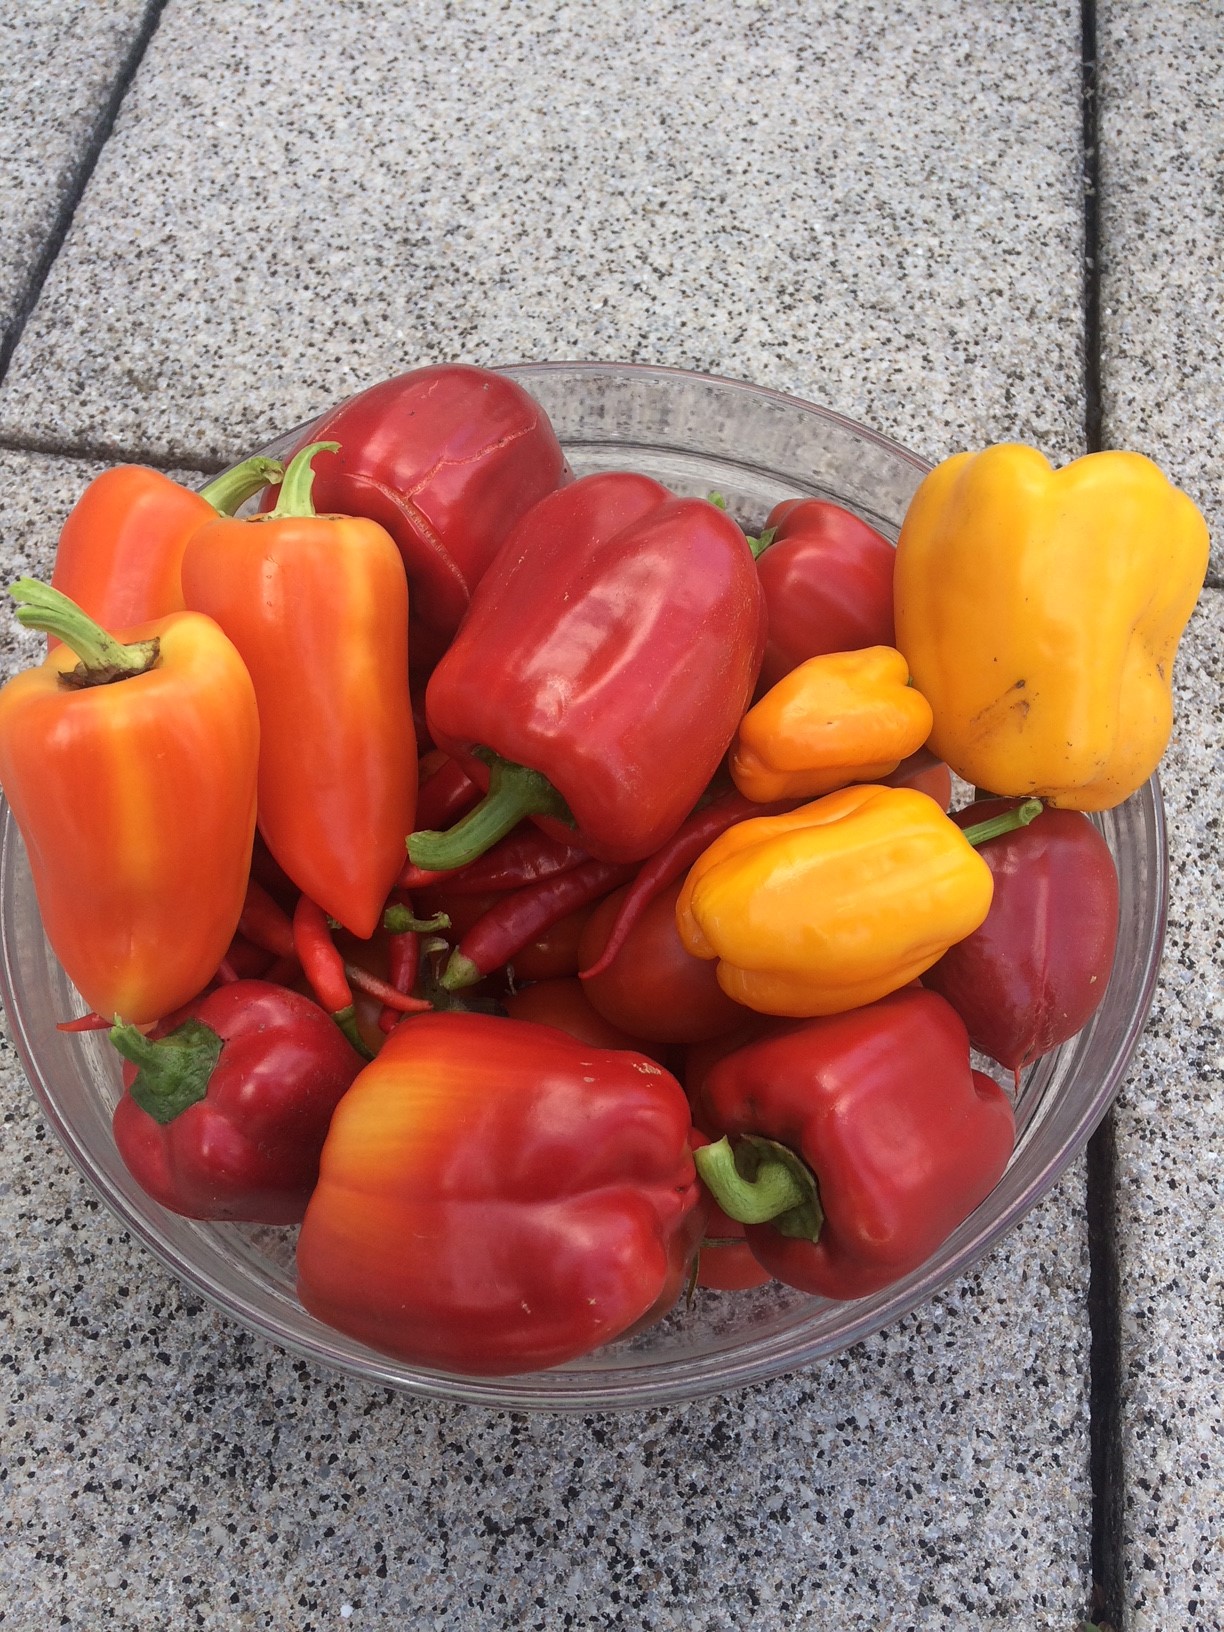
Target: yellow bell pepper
<point>838,718</point>
<point>836,903</point>
<point>1040,612</point>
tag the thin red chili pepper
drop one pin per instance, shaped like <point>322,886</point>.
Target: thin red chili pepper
<point>404,952</point>
<point>519,917</point>
<point>226,974</point>
<point>444,795</point>
<point>522,857</point>
<point>265,922</point>
<point>402,1002</point>
<point>324,968</point>
<point>86,1022</point>
<point>675,857</point>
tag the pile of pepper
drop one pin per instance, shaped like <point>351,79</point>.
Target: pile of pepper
<point>545,894</point>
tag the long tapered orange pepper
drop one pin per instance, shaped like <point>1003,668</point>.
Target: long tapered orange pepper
<point>837,903</point>
<point>131,776</point>
<point>120,551</point>
<point>838,718</point>
<point>318,608</point>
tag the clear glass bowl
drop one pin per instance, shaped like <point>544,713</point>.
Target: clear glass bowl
<point>696,434</point>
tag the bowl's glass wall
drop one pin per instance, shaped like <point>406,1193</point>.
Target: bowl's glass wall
<point>697,435</point>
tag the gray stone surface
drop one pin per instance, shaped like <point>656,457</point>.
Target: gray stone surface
<point>58,63</point>
<point>1162,146</point>
<point>1162,263</point>
<point>1171,1195</point>
<point>785,193</point>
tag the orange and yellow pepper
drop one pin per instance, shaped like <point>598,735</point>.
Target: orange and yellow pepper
<point>840,717</point>
<point>837,903</point>
<point>131,776</point>
<point>1040,611</point>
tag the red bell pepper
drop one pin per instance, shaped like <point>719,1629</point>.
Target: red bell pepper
<point>227,1103</point>
<point>855,1143</point>
<point>828,580</point>
<point>1037,969</point>
<point>496,1196</point>
<point>601,671</point>
<point>447,459</point>
<point>318,607</point>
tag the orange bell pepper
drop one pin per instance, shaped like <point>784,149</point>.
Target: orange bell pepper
<point>131,776</point>
<point>318,608</point>
<point>837,718</point>
<point>120,552</point>
<point>837,903</point>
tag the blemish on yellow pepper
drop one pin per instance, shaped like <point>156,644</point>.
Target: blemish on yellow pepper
<point>1040,612</point>
<point>838,718</point>
<point>835,904</point>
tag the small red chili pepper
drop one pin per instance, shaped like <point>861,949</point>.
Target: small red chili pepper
<point>693,836</point>
<point>369,983</point>
<point>266,923</point>
<point>324,968</point>
<point>518,917</point>
<point>522,857</point>
<point>93,1021</point>
<point>405,930</point>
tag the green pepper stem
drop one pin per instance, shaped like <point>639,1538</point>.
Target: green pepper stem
<point>172,1073</point>
<point>515,791</point>
<point>1006,821</point>
<point>234,487</point>
<point>460,971</point>
<point>103,658</point>
<point>295,497</point>
<point>346,1019</point>
<point>762,1182</point>
<point>399,920</point>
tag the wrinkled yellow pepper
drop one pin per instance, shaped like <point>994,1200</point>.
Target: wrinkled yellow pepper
<point>838,718</point>
<point>834,904</point>
<point>1040,612</point>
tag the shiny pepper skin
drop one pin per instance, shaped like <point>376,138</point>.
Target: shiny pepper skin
<point>1040,611</point>
<point>242,1140</point>
<point>318,607</point>
<point>840,717</point>
<point>1038,967</point>
<point>496,1196</point>
<point>834,904</point>
<point>136,801</point>
<point>902,1137</point>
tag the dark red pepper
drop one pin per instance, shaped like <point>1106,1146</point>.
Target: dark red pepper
<point>855,1143</point>
<point>227,1105</point>
<point>447,459</point>
<point>598,678</point>
<point>517,917</point>
<point>828,583</point>
<point>1037,969</point>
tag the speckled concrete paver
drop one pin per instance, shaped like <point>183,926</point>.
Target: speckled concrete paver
<point>1162,264</point>
<point>783,193</point>
<point>58,64</point>
<point>1162,216</point>
<point>878,208</point>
